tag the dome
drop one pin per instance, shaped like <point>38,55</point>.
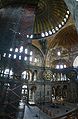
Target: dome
<point>47,16</point>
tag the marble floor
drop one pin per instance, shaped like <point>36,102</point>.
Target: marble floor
<point>33,112</point>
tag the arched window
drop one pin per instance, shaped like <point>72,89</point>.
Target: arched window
<point>24,89</point>
<point>25,75</point>
<point>35,75</point>
<point>8,72</point>
<point>60,66</point>
<point>24,86</point>
<point>75,63</point>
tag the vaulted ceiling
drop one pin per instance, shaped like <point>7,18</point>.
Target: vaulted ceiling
<point>66,38</point>
<point>50,15</point>
<point>50,21</point>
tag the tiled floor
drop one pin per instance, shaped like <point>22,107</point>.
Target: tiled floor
<point>33,112</point>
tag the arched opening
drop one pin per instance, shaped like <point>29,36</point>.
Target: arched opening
<point>35,75</point>
<point>26,75</point>
<point>6,73</point>
<point>53,94</point>
<point>75,63</point>
<point>64,92</point>
<point>24,92</point>
<point>32,94</point>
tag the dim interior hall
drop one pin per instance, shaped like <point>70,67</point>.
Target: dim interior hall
<point>38,59</point>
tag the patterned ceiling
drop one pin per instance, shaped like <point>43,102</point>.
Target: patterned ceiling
<point>66,38</point>
<point>50,15</point>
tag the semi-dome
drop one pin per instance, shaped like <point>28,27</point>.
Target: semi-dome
<point>66,38</point>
